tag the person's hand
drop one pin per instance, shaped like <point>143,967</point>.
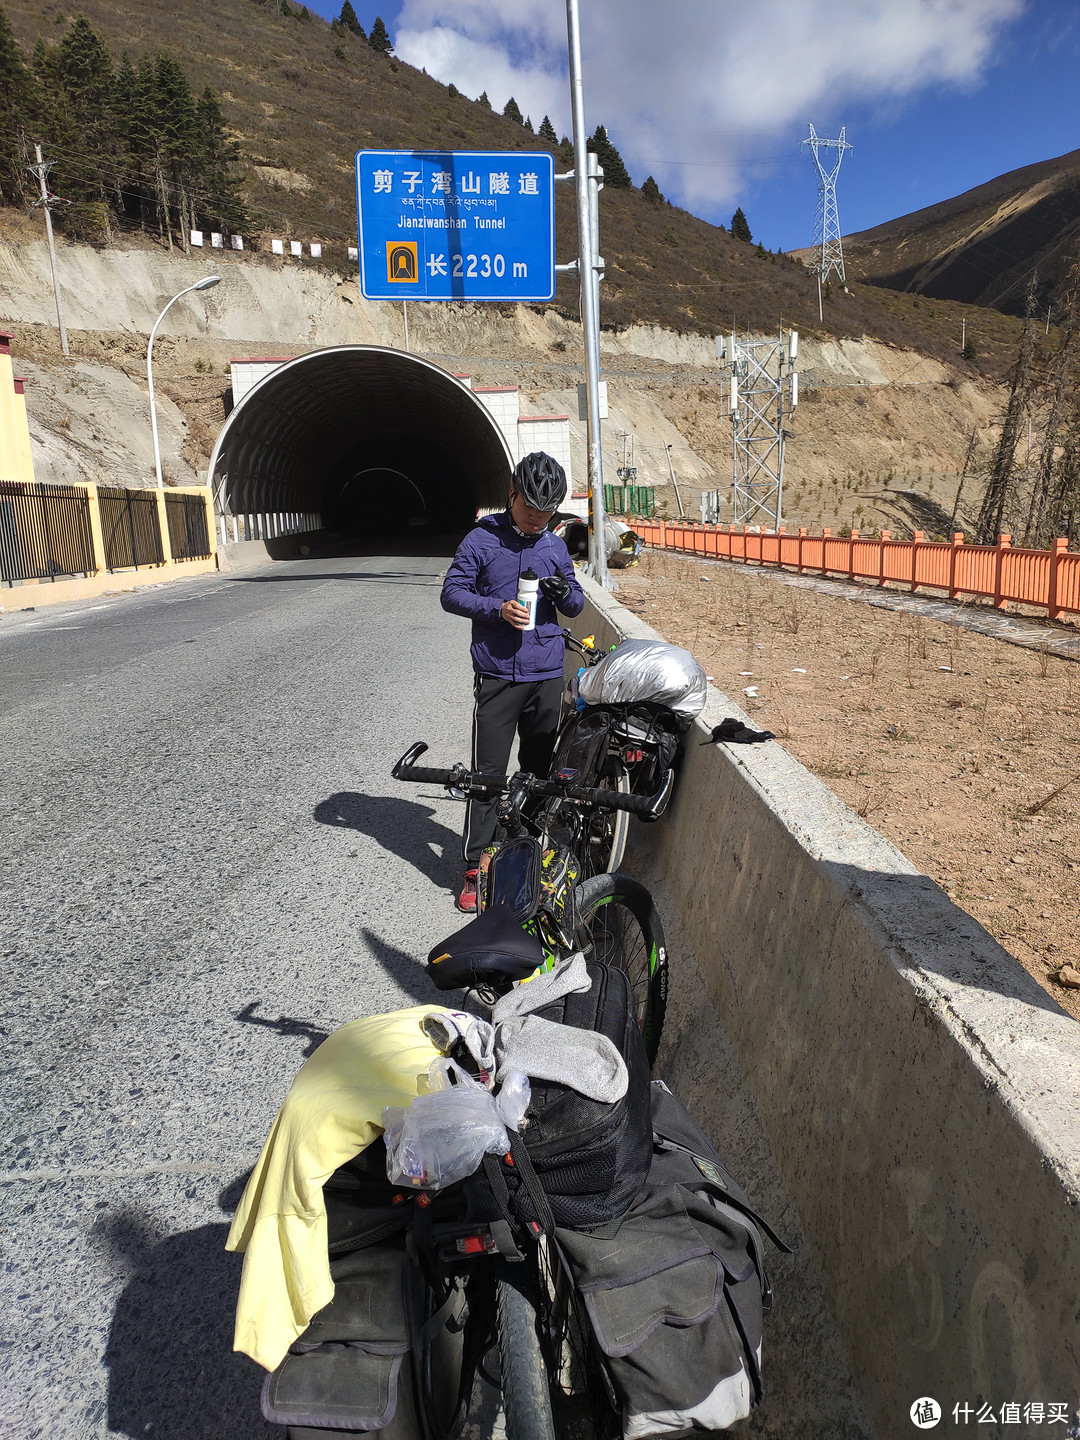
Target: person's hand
<point>555,587</point>
<point>514,614</point>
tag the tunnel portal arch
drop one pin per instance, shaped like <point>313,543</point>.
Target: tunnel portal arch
<point>368,438</point>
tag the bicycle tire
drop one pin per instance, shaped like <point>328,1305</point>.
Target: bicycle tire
<point>526,1391</point>
<point>618,923</point>
<point>603,842</point>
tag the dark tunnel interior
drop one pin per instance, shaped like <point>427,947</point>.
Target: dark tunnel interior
<point>376,441</point>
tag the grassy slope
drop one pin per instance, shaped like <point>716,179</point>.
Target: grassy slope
<point>300,113</point>
<point>980,247</point>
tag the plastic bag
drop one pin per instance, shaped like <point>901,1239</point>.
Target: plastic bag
<point>443,1137</point>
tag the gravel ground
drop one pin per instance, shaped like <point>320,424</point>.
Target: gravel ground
<point>959,748</point>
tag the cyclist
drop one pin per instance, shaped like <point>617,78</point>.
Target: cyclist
<point>518,672</point>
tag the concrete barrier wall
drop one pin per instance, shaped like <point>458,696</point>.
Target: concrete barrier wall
<point>920,1093</point>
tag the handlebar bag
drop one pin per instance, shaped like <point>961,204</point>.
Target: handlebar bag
<point>676,1289</point>
<point>590,1157</point>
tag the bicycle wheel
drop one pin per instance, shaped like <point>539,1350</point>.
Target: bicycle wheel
<point>525,1388</point>
<point>603,839</point>
<point>619,924</point>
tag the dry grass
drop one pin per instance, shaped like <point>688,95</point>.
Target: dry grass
<point>952,744</point>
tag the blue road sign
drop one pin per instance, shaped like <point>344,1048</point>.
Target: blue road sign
<point>456,225</point>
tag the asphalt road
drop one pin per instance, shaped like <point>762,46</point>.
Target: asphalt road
<point>206,867</point>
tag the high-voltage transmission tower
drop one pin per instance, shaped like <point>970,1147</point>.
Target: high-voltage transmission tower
<point>830,259</point>
<point>764,392</point>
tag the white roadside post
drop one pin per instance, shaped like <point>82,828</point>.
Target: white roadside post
<point>204,284</point>
<point>587,180</point>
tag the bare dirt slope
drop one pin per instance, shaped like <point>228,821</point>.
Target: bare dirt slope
<point>879,438</point>
<point>960,749</point>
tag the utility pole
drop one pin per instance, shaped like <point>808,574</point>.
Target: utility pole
<point>827,229</point>
<point>46,201</point>
<point>671,471</point>
<point>588,177</point>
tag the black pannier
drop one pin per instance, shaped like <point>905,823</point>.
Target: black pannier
<point>676,1290</point>
<point>355,1368</point>
<point>583,744</point>
<point>589,1157</point>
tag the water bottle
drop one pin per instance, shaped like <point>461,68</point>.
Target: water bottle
<point>528,586</point>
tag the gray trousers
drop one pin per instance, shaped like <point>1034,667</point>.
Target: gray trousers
<point>529,708</point>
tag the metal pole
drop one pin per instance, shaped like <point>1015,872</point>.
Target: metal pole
<point>203,284</point>
<point>41,170</point>
<point>671,468</point>
<point>585,180</point>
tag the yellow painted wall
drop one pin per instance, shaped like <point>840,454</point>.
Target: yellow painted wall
<point>11,422</point>
<point>24,456</point>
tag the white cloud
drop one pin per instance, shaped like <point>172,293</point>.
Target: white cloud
<point>713,84</point>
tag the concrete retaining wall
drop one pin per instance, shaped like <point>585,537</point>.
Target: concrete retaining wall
<point>920,1093</point>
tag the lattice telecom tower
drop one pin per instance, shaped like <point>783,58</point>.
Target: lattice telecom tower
<point>830,260</point>
<point>764,392</point>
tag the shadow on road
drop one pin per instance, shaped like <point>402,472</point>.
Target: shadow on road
<point>173,1374</point>
<point>378,577</point>
<point>407,971</point>
<point>284,1025</point>
<point>404,827</point>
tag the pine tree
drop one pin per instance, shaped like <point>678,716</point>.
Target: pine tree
<point>452,91</point>
<point>528,123</point>
<point>483,100</point>
<point>349,20</point>
<point>379,39</point>
<point>547,131</point>
<point>651,191</point>
<point>87,87</point>
<point>15,96</point>
<point>305,14</point>
<point>740,228</point>
<point>512,111</point>
<point>218,201</point>
<point>615,172</point>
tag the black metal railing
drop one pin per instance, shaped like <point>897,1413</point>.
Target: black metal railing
<point>45,532</point>
<point>189,535</point>
<point>130,528</point>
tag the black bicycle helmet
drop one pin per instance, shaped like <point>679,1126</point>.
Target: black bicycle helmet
<point>540,481</point>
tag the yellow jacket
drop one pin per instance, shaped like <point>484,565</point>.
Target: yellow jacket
<point>332,1112</point>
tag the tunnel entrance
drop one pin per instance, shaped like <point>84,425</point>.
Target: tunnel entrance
<point>367,440</point>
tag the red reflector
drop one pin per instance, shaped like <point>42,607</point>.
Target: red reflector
<point>472,1245</point>
<point>423,1200</point>
<point>397,1199</point>
<point>508,1158</point>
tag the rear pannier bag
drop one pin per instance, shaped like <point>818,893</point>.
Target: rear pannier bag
<point>350,1371</point>
<point>582,746</point>
<point>676,1290</point>
<point>353,1369</point>
<point>590,1157</point>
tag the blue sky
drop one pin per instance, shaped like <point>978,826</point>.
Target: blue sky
<point>937,96</point>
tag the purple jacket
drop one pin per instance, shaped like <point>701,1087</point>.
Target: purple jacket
<point>484,573</point>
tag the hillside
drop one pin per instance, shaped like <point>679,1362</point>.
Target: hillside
<point>300,100</point>
<point>980,247</point>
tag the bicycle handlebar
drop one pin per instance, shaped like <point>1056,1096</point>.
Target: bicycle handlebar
<point>646,807</point>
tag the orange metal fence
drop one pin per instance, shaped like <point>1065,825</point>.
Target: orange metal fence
<point>1049,579</point>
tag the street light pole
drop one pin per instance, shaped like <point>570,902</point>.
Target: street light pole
<point>204,284</point>
<point>586,181</point>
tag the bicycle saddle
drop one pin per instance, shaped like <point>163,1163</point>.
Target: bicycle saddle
<point>491,950</point>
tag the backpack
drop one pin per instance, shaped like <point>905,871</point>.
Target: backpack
<point>676,1290</point>
<point>588,1158</point>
